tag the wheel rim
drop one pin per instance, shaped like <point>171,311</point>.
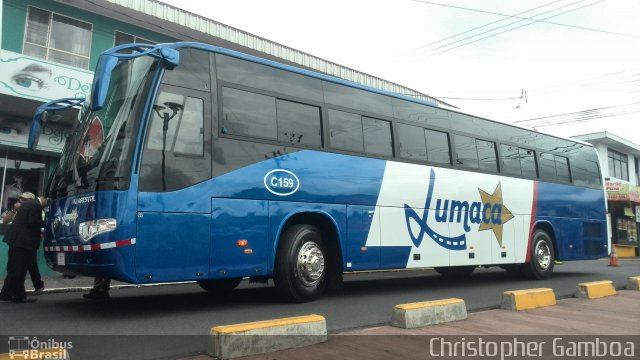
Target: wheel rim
<point>543,255</point>
<point>310,264</point>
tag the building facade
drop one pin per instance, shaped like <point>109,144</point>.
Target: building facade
<point>619,161</point>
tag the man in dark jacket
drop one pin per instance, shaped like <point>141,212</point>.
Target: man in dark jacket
<point>23,238</point>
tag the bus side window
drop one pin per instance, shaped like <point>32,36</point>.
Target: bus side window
<point>175,153</point>
<point>438,149</point>
<point>412,143</point>
<point>466,152</point>
<point>554,167</point>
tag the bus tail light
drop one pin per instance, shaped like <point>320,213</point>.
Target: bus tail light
<point>89,229</point>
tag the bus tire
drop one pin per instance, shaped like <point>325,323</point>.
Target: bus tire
<point>542,255</point>
<point>300,272</point>
<point>455,271</point>
<point>219,286</point>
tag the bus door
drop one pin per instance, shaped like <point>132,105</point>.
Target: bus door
<point>174,208</point>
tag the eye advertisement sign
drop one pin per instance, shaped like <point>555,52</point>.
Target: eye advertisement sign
<point>37,79</point>
<point>14,131</point>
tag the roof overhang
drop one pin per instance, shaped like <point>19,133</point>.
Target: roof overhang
<point>612,141</point>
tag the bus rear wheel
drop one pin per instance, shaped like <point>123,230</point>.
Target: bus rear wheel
<point>542,256</point>
<point>301,273</point>
<point>219,286</point>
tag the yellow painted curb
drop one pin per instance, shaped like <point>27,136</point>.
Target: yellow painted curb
<point>595,289</point>
<point>424,304</point>
<point>633,283</point>
<point>225,329</point>
<point>528,299</point>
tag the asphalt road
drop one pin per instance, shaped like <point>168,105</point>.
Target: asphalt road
<point>169,321</point>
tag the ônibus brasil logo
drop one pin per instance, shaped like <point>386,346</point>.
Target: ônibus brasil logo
<point>490,213</point>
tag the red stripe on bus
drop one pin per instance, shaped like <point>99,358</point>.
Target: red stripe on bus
<point>534,206</point>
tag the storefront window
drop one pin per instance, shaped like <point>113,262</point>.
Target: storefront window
<point>20,172</point>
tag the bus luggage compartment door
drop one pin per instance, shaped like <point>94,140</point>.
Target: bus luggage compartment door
<point>172,246</point>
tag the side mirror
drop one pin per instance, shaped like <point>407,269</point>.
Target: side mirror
<point>42,114</point>
<point>101,80</point>
<point>109,60</point>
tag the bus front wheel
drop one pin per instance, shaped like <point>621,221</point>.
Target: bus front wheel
<point>542,256</point>
<point>219,286</point>
<point>300,273</point>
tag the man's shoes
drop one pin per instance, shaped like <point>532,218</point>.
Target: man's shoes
<point>23,300</point>
<point>558,262</point>
<point>38,291</point>
<point>96,295</point>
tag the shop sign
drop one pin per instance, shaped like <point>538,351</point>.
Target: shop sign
<point>617,191</point>
<point>613,186</point>
<point>37,79</point>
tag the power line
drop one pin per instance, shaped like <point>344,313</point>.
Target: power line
<point>582,119</point>
<point>485,25</point>
<point>576,112</point>
<point>581,116</point>
<point>518,27</point>
<point>525,18</point>
<point>503,26</point>
<point>617,74</point>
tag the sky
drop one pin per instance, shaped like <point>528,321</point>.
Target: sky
<point>573,70</point>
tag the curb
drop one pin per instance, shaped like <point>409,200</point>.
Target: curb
<point>420,314</point>
<point>595,289</point>
<point>633,283</point>
<point>259,337</point>
<point>518,300</point>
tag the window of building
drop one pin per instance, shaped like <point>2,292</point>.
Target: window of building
<point>57,38</point>
<point>637,172</point>
<point>618,165</point>
<point>121,38</point>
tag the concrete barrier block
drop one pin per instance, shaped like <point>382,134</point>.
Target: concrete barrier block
<point>420,314</point>
<point>232,341</point>
<point>518,300</point>
<point>633,283</point>
<point>595,289</point>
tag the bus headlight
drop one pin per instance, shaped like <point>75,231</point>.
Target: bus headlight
<point>89,229</point>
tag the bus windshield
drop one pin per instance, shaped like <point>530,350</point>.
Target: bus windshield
<point>101,144</point>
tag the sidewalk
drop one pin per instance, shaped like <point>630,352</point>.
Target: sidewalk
<point>615,318</point>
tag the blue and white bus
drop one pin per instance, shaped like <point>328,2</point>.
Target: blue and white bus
<point>194,162</point>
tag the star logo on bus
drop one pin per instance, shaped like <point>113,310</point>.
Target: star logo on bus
<point>494,213</point>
